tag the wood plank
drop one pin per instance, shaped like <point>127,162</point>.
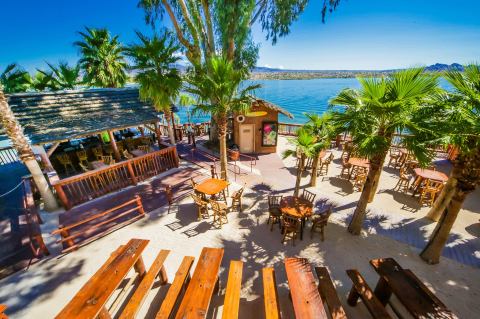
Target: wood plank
<point>2,312</point>
<point>138,297</point>
<point>306,299</point>
<point>270,296</point>
<point>411,294</point>
<point>181,280</point>
<point>91,298</point>
<point>197,298</point>
<point>362,290</point>
<point>231,304</point>
<point>328,293</point>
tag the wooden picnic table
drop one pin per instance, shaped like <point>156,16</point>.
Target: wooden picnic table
<point>97,164</point>
<point>306,299</point>
<point>212,186</point>
<point>90,301</point>
<point>197,297</point>
<point>137,153</point>
<point>297,207</point>
<point>426,174</point>
<point>412,293</point>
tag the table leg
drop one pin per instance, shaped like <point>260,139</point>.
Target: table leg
<point>139,267</point>
<point>382,291</point>
<point>302,224</point>
<point>416,185</point>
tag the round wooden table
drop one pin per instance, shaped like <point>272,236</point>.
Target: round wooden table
<point>297,207</point>
<point>422,174</point>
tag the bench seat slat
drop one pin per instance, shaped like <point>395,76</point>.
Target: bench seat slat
<point>234,285</point>
<point>329,294</point>
<point>272,308</point>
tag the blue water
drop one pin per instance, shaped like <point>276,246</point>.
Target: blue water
<point>298,96</point>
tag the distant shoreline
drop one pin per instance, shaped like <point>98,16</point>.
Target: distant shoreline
<point>294,75</point>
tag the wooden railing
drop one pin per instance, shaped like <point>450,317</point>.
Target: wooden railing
<point>288,128</point>
<point>84,187</point>
<point>8,155</point>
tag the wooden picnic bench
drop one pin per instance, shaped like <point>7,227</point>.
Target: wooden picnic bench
<point>327,291</point>
<point>306,299</point>
<point>196,300</point>
<point>270,295</point>
<point>92,227</point>
<point>90,301</point>
<point>419,301</point>
<point>232,296</point>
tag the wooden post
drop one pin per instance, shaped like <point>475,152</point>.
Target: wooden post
<point>140,205</point>
<point>162,275</point>
<point>62,196</point>
<point>131,172</point>
<point>114,146</point>
<point>65,234</point>
<point>142,131</point>
<point>174,128</point>
<point>157,131</point>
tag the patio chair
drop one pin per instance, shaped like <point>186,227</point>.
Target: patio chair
<point>360,180</point>
<point>430,191</point>
<point>404,180</point>
<point>82,157</point>
<point>274,213</point>
<point>108,150</point>
<point>127,155</point>
<point>309,163</point>
<point>291,227</point>
<point>83,167</point>
<point>108,160</point>
<point>309,196</point>
<point>346,166</point>
<point>202,206</point>
<point>324,165</point>
<point>120,147</point>
<point>219,213</point>
<point>320,220</point>
<point>237,198</point>
<point>394,157</point>
<point>98,153</point>
<point>65,160</point>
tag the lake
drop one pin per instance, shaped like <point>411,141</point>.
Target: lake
<point>299,96</point>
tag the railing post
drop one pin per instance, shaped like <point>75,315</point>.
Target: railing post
<point>62,196</point>
<point>65,234</point>
<point>139,204</point>
<point>175,155</point>
<point>131,172</point>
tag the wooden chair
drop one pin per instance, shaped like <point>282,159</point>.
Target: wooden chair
<point>231,304</point>
<point>319,221</point>
<point>430,191</point>
<point>403,181</point>
<point>145,148</point>
<point>309,196</point>
<point>324,165</point>
<point>360,289</point>
<point>270,295</point>
<point>108,160</point>
<point>98,153</point>
<point>309,163</point>
<point>219,213</point>
<point>394,157</point>
<point>120,147</point>
<point>82,157</point>
<point>127,155</point>
<point>108,150</point>
<point>65,160</point>
<point>83,167</point>
<point>360,180</point>
<point>291,227</point>
<point>274,213</point>
<point>237,199</point>
<point>169,195</point>
<point>346,166</point>
<point>202,206</point>
<point>327,291</point>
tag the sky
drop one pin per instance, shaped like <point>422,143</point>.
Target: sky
<point>359,35</point>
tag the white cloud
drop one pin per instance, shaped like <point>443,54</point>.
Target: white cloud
<point>280,67</point>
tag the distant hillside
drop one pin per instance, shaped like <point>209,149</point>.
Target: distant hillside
<point>439,67</point>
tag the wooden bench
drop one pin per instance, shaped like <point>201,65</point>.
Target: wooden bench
<point>181,280</point>
<point>360,289</point>
<point>93,224</point>
<point>270,296</point>
<point>306,299</point>
<point>156,269</point>
<point>204,281</point>
<point>234,285</point>
<point>2,312</point>
<point>90,301</point>
<point>328,293</point>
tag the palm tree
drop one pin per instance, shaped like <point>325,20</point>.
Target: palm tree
<point>64,77</point>
<point>13,79</point>
<point>456,116</point>
<point>43,80</point>
<point>219,94</point>
<point>382,107</point>
<point>305,146</point>
<point>20,143</point>
<point>159,82</point>
<point>319,126</point>
<point>102,59</point>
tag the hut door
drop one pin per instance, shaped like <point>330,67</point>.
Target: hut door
<point>247,133</point>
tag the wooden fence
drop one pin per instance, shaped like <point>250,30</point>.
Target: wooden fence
<point>288,128</point>
<point>84,187</point>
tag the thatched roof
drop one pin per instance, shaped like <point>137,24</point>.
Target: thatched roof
<point>272,106</point>
<point>57,116</point>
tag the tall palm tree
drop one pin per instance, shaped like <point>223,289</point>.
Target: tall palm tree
<point>43,80</point>
<point>382,107</point>
<point>102,59</point>
<point>159,81</point>
<point>64,77</point>
<point>306,145</point>
<point>456,116</point>
<point>321,127</point>
<point>219,94</point>
<point>20,143</point>
<point>14,79</point>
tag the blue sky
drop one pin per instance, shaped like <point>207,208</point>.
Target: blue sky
<point>361,34</point>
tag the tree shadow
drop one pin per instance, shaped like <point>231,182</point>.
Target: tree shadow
<point>346,187</point>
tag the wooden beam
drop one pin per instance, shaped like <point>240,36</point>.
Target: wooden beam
<point>114,146</point>
<point>52,149</point>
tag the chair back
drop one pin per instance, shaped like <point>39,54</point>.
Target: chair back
<point>144,148</point>
<point>83,167</point>
<point>198,201</point>
<point>403,172</point>
<point>97,151</point>
<point>324,216</point>
<point>127,155</point>
<point>433,186</point>
<point>82,155</point>
<point>309,196</point>
<point>238,194</point>
<point>120,147</point>
<point>108,160</point>
<point>108,149</point>
<point>192,181</point>
<point>274,200</point>
<point>215,206</point>
<point>291,222</point>
<point>63,158</point>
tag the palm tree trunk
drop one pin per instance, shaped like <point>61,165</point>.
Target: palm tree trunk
<point>376,179</point>
<point>168,118</point>
<point>356,223</point>
<point>25,152</point>
<point>313,178</point>
<point>222,137</point>
<point>443,199</point>
<point>301,164</point>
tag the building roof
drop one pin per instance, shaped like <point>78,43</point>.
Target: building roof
<point>272,106</point>
<point>49,117</point>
